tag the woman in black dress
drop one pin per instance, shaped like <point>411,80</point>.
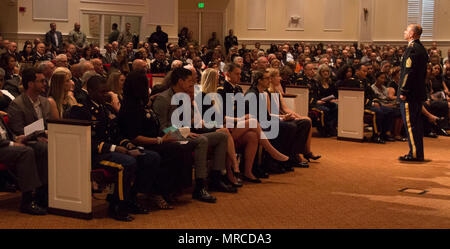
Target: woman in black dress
<point>139,124</point>
<point>324,100</point>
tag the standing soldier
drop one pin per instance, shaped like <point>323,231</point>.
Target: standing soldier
<point>412,92</point>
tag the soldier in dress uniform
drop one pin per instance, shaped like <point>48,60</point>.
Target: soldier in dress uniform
<point>112,152</point>
<point>412,92</point>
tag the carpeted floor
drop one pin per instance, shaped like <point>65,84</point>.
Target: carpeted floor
<point>354,185</point>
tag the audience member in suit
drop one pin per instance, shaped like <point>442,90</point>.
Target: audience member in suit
<point>12,51</point>
<point>5,96</point>
<point>80,90</point>
<point>21,160</point>
<point>72,55</point>
<point>160,64</point>
<point>136,170</point>
<point>54,38</point>
<point>181,82</point>
<point>159,37</point>
<point>40,55</point>
<point>29,107</point>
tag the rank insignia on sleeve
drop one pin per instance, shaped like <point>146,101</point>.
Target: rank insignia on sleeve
<point>408,63</point>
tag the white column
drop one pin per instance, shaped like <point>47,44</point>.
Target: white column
<point>102,31</point>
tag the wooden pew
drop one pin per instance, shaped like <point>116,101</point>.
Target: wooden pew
<point>301,102</point>
<point>351,114</point>
<point>69,168</point>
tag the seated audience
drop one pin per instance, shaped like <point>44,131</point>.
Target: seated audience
<point>136,171</point>
<point>181,82</point>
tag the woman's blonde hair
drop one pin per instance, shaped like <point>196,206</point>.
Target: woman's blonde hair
<point>272,73</point>
<point>57,91</point>
<point>209,81</point>
<point>113,82</point>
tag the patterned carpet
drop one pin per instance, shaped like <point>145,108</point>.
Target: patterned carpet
<point>354,185</point>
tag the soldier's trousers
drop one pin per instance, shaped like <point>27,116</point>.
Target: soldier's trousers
<point>412,120</point>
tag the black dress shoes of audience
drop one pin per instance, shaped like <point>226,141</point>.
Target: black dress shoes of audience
<point>238,183</point>
<point>378,140</point>
<point>203,195</point>
<point>119,211</point>
<point>310,155</point>
<point>248,179</point>
<point>219,183</point>
<point>442,132</point>
<point>260,173</point>
<point>200,193</point>
<point>431,134</point>
<point>409,158</point>
<point>32,208</point>
<point>135,207</point>
<point>389,139</point>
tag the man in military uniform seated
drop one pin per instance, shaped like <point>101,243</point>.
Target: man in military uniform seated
<point>112,152</point>
<point>382,118</point>
<point>308,76</point>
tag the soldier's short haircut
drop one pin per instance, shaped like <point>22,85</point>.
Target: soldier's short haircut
<point>94,82</point>
<point>417,29</point>
<point>230,67</point>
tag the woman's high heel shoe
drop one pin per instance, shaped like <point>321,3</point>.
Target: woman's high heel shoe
<point>310,155</point>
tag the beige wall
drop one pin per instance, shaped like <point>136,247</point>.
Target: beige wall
<point>313,22</point>
<point>8,19</point>
<point>27,28</point>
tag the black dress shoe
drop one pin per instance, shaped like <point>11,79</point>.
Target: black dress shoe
<point>220,185</point>
<point>135,207</point>
<point>274,168</point>
<point>203,195</point>
<point>119,212</point>
<point>260,173</point>
<point>299,164</point>
<point>389,139</point>
<point>442,132</point>
<point>378,140</point>
<point>32,208</point>
<point>409,158</point>
<point>288,168</point>
<point>431,134</point>
<point>310,155</point>
<point>248,179</point>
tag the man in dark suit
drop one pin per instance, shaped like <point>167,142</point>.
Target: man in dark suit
<point>54,38</point>
<point>21,161</point>
<point>412,92</point>
<point>29,107</point>
<point>159,37</point>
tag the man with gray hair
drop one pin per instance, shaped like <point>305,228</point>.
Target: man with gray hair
<point>176,64</point>
<point>86,71</point>
<point>61,61</point>
<point>98,66</point>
